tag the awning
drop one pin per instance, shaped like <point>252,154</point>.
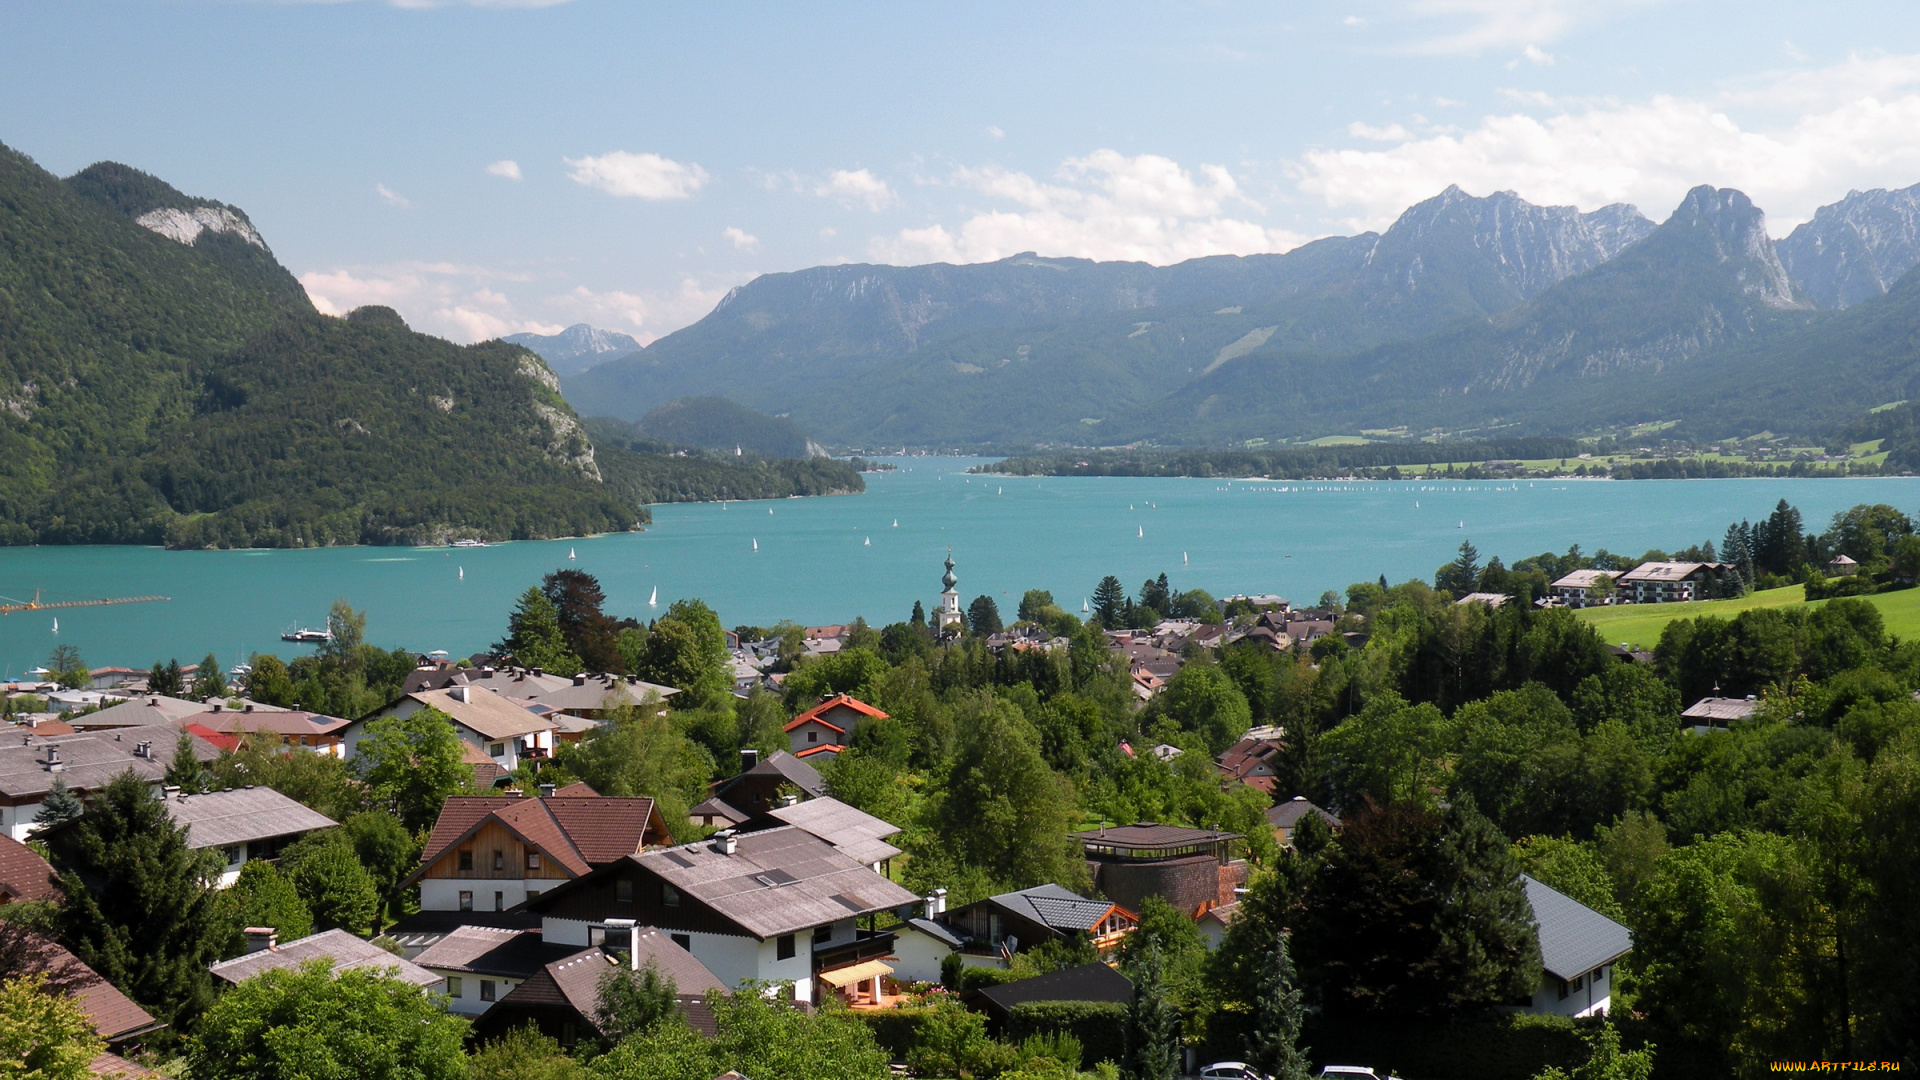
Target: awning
<point>854,973</point>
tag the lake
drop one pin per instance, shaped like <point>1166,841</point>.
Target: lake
<point>827,560</point>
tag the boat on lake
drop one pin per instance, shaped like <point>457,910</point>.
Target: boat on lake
<point>306,636</point>
<point>468,542</point>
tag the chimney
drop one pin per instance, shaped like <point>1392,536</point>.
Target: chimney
<point>726,842</point>
<point>171,791</point>
<point>539,672</point>
<point>789,800</point>
<point>940,901</point>
<point>748,759</point>
<point>53,759</point>
<point>249,706</point>
<point>216,708</point>
<point>460,695</point>
<point>547,790</point>
<point>261,939</point>
<point>579,680</point>
<point>153,701</point>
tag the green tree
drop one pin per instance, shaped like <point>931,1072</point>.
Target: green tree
<point>534,638</point>
<point>44,1035</point>
<point>347,631</point>
<point>633,1002</point>
<point>590,633</point>
<point>1462,575</point>
<point>1605,1059</point>
<point>185,771</point>
<point>166,679</point>
<point>388,852</point>
<point>1109,601</point>
<point>209,681</point>
<point>1273,1042</point>
<point>1032,603</point>
<point>311,1023</point>
<point>267,681</point>
<point>1153,1022</point>
<point>329,878</point>
<point>524,1054</point>
<point>412,763</point>
<point>60,805</point>
<point>983,615</point>
<point>262,896</point>
<point>65,667</point>
<point>756,1036</point>
<point>1201,698</point>
<point>639,752</point>
<point>1003,809</point>
<point>138,910</point>
<point>687,648</point>
<point>1572,867</point>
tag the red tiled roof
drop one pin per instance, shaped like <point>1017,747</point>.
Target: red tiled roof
<point>575,790</point>
<point>578,832</point>
<point>529,819</point>
<point>114,1015</point>
<point>823,748</point>
<point>818,712</point>
<point>23,873</point>
<point>217,739</point>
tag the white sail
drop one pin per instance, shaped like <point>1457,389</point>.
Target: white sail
<point>756,543</point>
<point>868,542</point>
<point>1183,558</point>
<point>1140,532</point>
<point>896,523</point>
<point>463,573</point>
<point>654,600</point>
<point>56,625</point>
<point>570,555</point>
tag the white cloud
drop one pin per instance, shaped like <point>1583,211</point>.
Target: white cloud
<point>1818,133</point>
<point>1353,20</point>
<point>639,176</point>
<point>851,186</point>
<point>1103,206</point>
<point>994,132</point>
<point>506,168</point>
<point>475,303</point>
<point>1390,133</point>
<point>392,197</point>
<point>1536,55</point>
<point>1483,25</point>
<point>741,238</point>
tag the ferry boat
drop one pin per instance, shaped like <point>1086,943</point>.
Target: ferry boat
<point>306,636</point>
<point>468,542</point>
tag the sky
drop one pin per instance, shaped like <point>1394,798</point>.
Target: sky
<point>494,167</point>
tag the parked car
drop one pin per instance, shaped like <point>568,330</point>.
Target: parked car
<point>1232,1070</point>
<point>1351,1072</point>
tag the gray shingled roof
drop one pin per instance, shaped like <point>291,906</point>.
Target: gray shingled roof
<point>1721,708</point>
<point>88,760</point>
<point>487,950</point>
<point>345,950</point>
<point>937,931</point>
<point>777,881</point>
<point>1574,938</point>
<point>224,818</point>
<point>858,835</point>
<point>1055,906</point>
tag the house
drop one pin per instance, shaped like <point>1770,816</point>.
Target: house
<point>827,728</point>
<point>776,905</point>
<point>1087,982</point>
<point>24,875</point>
<point>258,725</point>
<point>146,710</point>
<point>1490,599</point>
<point>343,949</point>
<point>1715,713</point>
<point>495,852</point>
<point>1285,818</point>
<point>1578,948</point>
<point>1216,922</point>
<point>1669,582</point>
<point>562,996</point>
<point>1841,566</point>
<point>759,785</point>
<point>243,824</point>
<point>501,729</point>
<point>1253,760</point>
<point>595,697</point>
<point>922,942</point>
<point>113,678</point>
<point>858,835</point>
<point>1192,869</point>
<point>482,964</point>
<point>114,1016</point>
<point>1583,588</point>
<point>1003,925</point>
<point>86,761</point>
<point>74,701</point>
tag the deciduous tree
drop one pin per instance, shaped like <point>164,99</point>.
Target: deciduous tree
<point>312,1023</point>
<point>44,1035</point>
<point>412,763</point>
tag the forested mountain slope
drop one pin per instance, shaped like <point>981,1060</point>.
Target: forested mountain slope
<point>164,380</point>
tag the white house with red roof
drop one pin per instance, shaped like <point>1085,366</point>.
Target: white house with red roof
<point>494,852</point>
<point>827,728</point>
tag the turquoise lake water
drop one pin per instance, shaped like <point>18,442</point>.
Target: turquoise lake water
<point>814,566</point>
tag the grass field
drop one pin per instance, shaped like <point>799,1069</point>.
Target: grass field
<point>1640,624</point>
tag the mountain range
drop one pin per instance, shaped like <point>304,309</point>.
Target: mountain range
<point>1468,316</point>
<point>577,348</point>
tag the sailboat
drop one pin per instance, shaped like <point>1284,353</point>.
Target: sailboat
<point>1083,606</point>
<point>756,543</point>
<point>56,625</point>
<point>1183,558</point>
<point>896,523</point>
<point>654,600</point>
<point>769,511</point>
<point>1462,525</point>
<point>868,542</point>
<point>570,555</point>
<point>1140,532</point>
<point>463,573</point>
<point>1000,491</point>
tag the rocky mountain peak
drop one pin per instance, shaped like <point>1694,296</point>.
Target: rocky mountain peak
<point>1735,230</point>
<point>1530,247</point>
<point>1855,249</point>
<point>576,348</point>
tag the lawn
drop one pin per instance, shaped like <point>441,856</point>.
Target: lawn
<point>1640,624</point>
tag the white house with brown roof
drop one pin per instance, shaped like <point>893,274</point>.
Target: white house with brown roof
<point>505,731</point>
<point>86,761</point>
<point>1584,588</point>
<point>827,728</point>
<point>492,853</point>
<point>242,824</point>
<point>1668,582</point>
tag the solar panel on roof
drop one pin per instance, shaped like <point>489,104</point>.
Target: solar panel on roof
<point>678,859</point>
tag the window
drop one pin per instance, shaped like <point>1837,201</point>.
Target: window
<point>466,860</point>
<point>486,989</point>
<point>533,860</point>
<point>685,941</point>
<point>453,986</point>
<point>533,894</point>
<point>466,900</point>
<point>498,749</point>
<point>669,895</point>
<point>499,901</point>
<point>822,934</point>
<point>1563,989</point>
<point>623,890</point>
<point>499,860</point>
<point>233,856</point>
<point>596,936</point>
<point>783,947</point>
<point>812,735</point>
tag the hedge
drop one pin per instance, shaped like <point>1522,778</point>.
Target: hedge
<point>1101,1026</point>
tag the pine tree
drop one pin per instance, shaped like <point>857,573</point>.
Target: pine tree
<point>919,616</point>
<point>983,615</point>
<point>138,910</point>
<point>185,771</point>
<point>61,805</point>
<point>166,679</point>
<point>1109,602</point>
<point>1273,1046</point>
<point>1484,922</point>
<point>209,682</point>
<point>1153,1024</point>
<point>534,638</point>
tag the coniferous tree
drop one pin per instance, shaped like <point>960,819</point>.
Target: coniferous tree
<point>262,896</point>
<point>209,681</point>
<point>1157,594</point>
<point>983,615</point>
<point>590,633</point>
<point>185,770</point>
<point>1153,1023</point>
<point>534,638</point>
<point>1273,1046</point>
<point>61,804</point>
<point>166,679</point>
<point>138,910</point>
<point>919,616</point>
<point>1109,602</point>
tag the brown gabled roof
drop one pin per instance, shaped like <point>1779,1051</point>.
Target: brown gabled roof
<point>24,875</point>
<point>578,832</point>
<point>343,949</point>
<point>777,881</point>
<point>115,1067</point>
<point>114,1015</point>
<point>483,712</point>
<point>818,713</point>
<point>574,981</point>
<point>575,790</point>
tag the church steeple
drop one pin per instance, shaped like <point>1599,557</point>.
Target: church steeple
<point>949,599</point>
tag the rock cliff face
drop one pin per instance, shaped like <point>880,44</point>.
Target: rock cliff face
<point>577,348</point>
<point>1855,249</point>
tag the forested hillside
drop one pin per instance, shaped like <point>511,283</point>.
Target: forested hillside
<point>164,380</point>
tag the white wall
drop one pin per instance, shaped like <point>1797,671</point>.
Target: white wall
<point>919,956</point>
<point>1591,999</point>
<point>467,1002</point>
<point>443,894</point>
<point>732,959</point>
